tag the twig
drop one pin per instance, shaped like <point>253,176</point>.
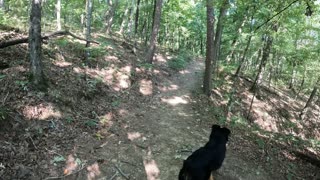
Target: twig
<point>32,142</point>
<point>122,173</point>
<point>140,146</point>
<point>186,151</point>
<point>115,174</point>
<point>53,152</point>
<point>5,99</point>
<point>129,163</point>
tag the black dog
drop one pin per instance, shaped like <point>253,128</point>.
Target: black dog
<point>203,161</point>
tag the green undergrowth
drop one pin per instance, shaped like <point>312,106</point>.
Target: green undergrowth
<point>180,61</point>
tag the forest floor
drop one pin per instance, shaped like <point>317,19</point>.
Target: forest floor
<point>94,123</point>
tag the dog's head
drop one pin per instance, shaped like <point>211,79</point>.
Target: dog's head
<point>216,130</point>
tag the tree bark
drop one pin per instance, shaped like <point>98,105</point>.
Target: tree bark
<point>271,70</point>
<point>130,26</point>
<point>37,75</point>
<point>136,21</point>
<point>308,104</point>
<point>88,28</point>
<point>218,35</point>
<point>124,21</point>
<point>293,75</point>
<point>110,14</point>
<point>88,22</point>
<point>246,48</point>
<point>207,81</point>
<point>265,56</point>
<point>243,56</point>
<point>155,30</point>
<point>201,44</point>
<point>154,11</point>
<point>58,9</point>
<point>302,81</point>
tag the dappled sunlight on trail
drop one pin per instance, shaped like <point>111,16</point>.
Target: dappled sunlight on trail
<point>133,135</point>
<point>171,87</point>
<point>146,87</point>
<point>41,111</point>
<point>151,169</point>
<point>93,171</point>
<point>175,100</point>
<point>71,165</point>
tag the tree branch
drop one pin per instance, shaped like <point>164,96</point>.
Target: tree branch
<point>4,44</point>
<point>275,15</point>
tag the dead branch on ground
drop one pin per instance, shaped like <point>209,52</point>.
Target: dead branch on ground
<point>4,44</point>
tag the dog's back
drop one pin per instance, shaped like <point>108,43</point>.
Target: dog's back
<point>203,161</point>
<point>196,166</point>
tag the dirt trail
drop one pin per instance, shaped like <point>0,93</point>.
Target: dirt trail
<point>165,132</point>
<point>139,137</point>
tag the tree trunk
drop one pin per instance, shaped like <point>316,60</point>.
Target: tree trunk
<point>201,44</point>
<point>207,81</point>
<point>293,75</point>
<point>265,56</point>
<point>243,56</point>
<point>308,104</point>
<point>130,25</point>
<point>143,32</point>
<point>88,28</point>
<point>234,44</point>
<point>155,30</point>
<point>242,60</point>
<point>154,11</point>
<point>82,19</point>
<point>302,81</point>
<point>217,39</point>
<point>58,9</point>
<point>271,70</point>
<point>136,21</point>
<point>278,67</point>
<point>110,14</point>
<point>37,75</point>
<point>124,21</point>
<point>88,22</point>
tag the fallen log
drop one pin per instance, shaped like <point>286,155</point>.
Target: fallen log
<point>309,157</point>
<point>4,44</point>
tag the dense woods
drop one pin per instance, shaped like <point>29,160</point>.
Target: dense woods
<point>261,67</point>
<point>282,36</point>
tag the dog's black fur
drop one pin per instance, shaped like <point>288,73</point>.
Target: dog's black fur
<point>200,164</point>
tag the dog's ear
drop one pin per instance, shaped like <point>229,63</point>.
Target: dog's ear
<point>226,131</point>
<point>215,127</point>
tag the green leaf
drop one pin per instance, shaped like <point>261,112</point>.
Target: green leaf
<point>57,159</point>
<point>91,123</point>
